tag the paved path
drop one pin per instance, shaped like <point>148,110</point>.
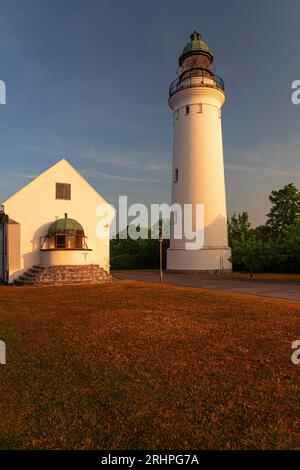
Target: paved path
<point>273,289</point>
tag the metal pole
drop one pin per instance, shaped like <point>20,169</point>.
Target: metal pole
<point>161,258</point>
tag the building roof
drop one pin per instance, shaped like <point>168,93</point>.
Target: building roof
<point>196,45</point>
<point>65,226</point>
<point>64,165</point>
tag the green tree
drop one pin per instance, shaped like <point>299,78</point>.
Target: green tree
<point>250,255</point>
<point>285,209</point>
<point>291,248</point>
<point>239,227</point>
<point>263,232</point>
<point>136,254</point>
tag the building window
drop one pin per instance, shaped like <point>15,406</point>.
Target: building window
<point>175,175</point>
<point>60,241</point>
<point>199,108</point>
<point>79,242</point>
<point>187,110</point>
<point>63,191</point>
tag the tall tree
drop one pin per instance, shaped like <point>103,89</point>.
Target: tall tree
<point>285,209</point>
<point>239,227</point>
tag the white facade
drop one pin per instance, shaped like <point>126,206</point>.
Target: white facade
<point>198,170</point>
<point>35,207</point>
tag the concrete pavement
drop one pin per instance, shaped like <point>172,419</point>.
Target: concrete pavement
<point>273,289</point>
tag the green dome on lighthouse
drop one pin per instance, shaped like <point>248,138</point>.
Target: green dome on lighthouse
<point>195,46</point>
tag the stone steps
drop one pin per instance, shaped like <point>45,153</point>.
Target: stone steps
<point>40,275</point>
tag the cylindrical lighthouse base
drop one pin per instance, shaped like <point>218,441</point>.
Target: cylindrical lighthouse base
<point>211,260</point>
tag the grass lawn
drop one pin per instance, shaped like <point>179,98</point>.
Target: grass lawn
<point>133,365</point>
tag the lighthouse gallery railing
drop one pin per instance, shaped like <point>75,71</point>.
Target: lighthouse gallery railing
<point>196,78</point>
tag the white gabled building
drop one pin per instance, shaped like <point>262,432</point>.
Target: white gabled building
<point>52,222</point>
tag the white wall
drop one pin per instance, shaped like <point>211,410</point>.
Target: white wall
<point>198,156</point>
<point>35,207</point>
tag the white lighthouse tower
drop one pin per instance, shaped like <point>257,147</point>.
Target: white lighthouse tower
<point>196,98</point>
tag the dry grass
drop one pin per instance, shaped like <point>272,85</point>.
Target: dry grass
<point>137,365</point>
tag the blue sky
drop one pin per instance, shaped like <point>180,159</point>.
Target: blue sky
<point>88,80</point>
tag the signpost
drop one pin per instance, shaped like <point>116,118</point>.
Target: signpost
<point>161,257</point>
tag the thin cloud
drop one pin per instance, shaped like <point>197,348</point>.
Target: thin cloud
<point>279,159</point>
<point>100,174</point>
<point>113,160</point>
<point>29,176</point>
<point>265,171</point>
<point>125,159</point>
<point>132,159</point>
<point>157,167</point>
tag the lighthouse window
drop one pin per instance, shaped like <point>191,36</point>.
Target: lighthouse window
<point>187,110</point>
<point>177,114</point>
<point>199,108</point>
<point>175,175</point>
